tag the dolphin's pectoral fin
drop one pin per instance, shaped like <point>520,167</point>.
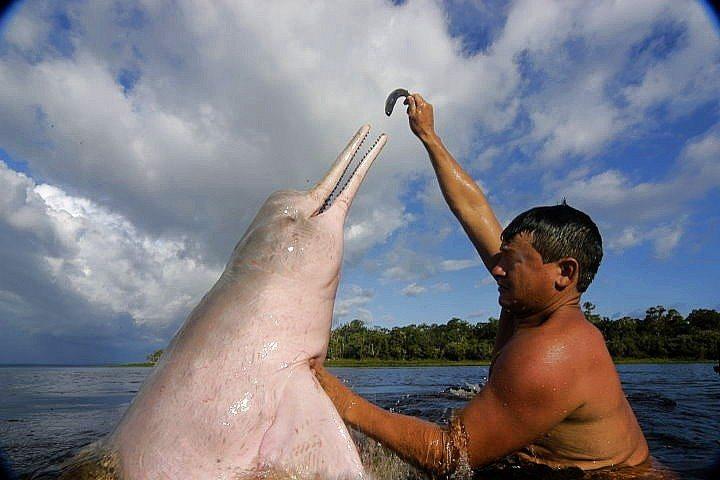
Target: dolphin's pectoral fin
<point>308,437</point>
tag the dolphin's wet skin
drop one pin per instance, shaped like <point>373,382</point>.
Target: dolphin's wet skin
<point>233,395</point>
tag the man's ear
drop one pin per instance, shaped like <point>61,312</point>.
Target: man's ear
<point>568,274</point>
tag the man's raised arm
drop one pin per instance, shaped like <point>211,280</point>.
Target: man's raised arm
<point>464,197</point>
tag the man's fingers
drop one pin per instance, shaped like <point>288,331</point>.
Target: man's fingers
<point>419,100</point>
<point>412,108</point>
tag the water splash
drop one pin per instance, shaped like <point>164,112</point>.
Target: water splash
<point>465,392</point>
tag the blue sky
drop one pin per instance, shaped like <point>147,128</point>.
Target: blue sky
<point>138,139</point>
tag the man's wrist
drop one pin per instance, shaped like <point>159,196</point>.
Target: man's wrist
<point>429,139</point>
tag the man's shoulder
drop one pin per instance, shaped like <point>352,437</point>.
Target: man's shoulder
<point>564,346</point>
<point>567,329</point>
<point>537,369</point>
<point>573,324</point>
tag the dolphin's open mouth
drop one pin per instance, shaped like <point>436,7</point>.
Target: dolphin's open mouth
<point>346,177</point>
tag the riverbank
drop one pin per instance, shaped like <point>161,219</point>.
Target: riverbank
<point>461,363</point>
<point>375,362</point>
<point>349,362</point>
<point>380,363</point>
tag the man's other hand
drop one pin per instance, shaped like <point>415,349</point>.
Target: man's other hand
<point>420,115</point>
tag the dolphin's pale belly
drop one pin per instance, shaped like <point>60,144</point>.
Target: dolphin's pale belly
<point>235,398</point>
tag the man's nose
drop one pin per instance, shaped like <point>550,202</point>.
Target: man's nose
<point>497,271</point>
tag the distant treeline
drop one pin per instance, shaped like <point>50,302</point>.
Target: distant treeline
<point>662,333</point>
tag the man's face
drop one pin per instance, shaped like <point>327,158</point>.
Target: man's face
<point>525,283</point>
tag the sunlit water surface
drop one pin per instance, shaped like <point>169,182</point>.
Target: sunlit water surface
<point>48,413</point>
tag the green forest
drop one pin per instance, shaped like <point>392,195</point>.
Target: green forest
<point>661,334</point>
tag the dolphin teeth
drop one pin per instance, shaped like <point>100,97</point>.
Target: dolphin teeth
<point>358,164</point>
<point>345,178</point>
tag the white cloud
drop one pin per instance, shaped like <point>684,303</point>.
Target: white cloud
<point>232,100</point>
<point>100,256</point>
<point>485,281</point>
<point>689,73</point>
<point>413,290</point>
<point>374,228</point>
<point>441,287</point>
<point>353,301</point>
<point>580,124</point>
<point>24,31</point>
<point>211,126</point>
<point>585,61</point>
<point>484,160</point>
<point>634,213</point>
<point>402,263</point>
<point>432,198</point>
<point>365,315</point>
<point>664,238</point>
<point>628,237</point>
<point>455,265</point>
<point>14,304</point>
<point>477,314</point>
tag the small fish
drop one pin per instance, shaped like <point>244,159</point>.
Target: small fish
<point>393,97</point>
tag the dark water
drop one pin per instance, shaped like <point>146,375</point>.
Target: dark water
<point>47,413</point>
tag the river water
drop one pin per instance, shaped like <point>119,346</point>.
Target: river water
<point>48,413</point>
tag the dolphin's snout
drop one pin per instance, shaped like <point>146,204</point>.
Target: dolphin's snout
<point>342,182</point>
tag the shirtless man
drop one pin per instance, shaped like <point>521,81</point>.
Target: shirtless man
<point>553,395</point>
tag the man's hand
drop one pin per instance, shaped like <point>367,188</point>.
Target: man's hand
<point>340,395</point>
<point>422,443</point>
<point>420,115</point>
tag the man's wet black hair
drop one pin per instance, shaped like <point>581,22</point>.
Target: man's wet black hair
<point>561,231</point>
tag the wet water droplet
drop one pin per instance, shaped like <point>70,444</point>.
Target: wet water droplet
<point>268,348</point>
<point>241,406</point>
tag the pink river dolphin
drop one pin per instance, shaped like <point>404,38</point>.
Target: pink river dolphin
<point>233,395</point>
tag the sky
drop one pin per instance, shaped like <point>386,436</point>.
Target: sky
<point>138,138</point>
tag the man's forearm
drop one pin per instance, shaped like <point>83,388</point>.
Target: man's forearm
<point>466,200</point>
<point>424,444</point>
